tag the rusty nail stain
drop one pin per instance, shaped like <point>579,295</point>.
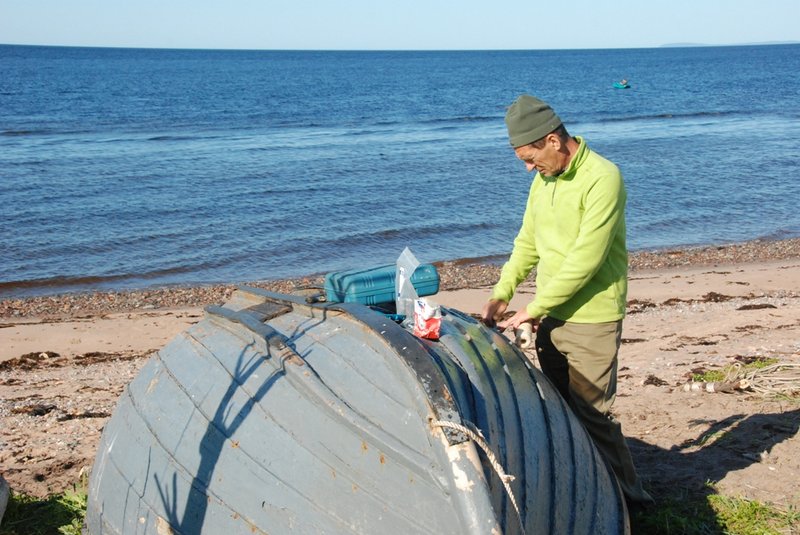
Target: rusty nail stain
<point>364,445</point>
<point>382,459</point>
<point>234,443</point>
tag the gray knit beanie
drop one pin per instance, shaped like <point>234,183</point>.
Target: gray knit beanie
<point>529,119</point>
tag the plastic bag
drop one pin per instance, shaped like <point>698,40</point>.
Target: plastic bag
<point>405,293</point>
<point>427,319</point>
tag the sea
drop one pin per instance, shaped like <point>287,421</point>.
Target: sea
<point>138,168</point>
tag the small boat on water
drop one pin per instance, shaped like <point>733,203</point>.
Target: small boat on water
<point>623,84</point>
<point>280,414</point>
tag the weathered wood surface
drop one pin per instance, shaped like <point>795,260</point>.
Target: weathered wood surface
<point>275,416</point>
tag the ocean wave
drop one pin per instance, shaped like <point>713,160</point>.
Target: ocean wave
<point>367,125</point>
<point>54,131</point>
<point>783,233</point>
<point>495,259</point>
<point>66,283</point>
<point>671,116</point>
<point>184,137</point>
<point>461,119</point>
<point>55,285</point>
<point>303,190</point>
<point>12,133</point>
<point>418,233</point>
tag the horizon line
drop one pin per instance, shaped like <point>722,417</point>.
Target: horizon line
<point>232,49</point>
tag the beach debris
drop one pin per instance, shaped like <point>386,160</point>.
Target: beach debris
<point>35,409</point>
<point>748,328</point>
<point>639,305</point>
<point>29,361</point>
<point>711,340</point>
<point>756,306</point>
<point>655,381</point>
<point>83,414</point>
<point>712,386</point>
<point>779,379</point>
<point>710,297</point>
<point>715,297</point>
<point>675,301</point>
<point>633,340</point>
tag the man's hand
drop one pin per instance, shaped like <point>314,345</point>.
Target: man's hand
<point>518,319</point>
<point>492,311</point>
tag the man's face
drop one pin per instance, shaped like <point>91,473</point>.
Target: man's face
<point>543,156</point>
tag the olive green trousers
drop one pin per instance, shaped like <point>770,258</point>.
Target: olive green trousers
<point>580,359</point>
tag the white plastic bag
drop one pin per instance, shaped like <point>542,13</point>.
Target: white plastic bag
<point>405,293</point>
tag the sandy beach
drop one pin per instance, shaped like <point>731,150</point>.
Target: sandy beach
<point>64,360</point>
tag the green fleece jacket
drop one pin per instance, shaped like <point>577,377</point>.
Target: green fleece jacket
<point>573,232</point>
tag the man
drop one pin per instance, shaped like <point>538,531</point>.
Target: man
<point>573,232</point>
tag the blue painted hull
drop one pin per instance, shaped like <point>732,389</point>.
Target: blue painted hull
<point>272,415</point>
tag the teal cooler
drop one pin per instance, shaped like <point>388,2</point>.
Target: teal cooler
<point>375,286</point>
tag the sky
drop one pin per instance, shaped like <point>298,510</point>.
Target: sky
<point>397,25</point>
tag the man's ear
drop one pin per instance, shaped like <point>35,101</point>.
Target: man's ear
<point>554,140</point>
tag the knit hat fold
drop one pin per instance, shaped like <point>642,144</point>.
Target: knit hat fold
<point>529,119</point>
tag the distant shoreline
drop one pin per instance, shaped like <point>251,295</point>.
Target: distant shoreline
<point>454,274</point>
<point>383,50</point>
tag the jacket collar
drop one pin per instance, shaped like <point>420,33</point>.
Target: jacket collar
<point>577,160</point>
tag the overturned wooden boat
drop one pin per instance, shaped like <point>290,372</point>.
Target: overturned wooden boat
<point>276,414</point>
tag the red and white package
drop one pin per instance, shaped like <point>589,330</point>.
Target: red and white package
<point>427,319</point>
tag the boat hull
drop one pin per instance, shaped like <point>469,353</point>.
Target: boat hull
<point>273,415</point>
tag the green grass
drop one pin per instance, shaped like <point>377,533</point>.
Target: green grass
<point>711,376</point>
<point>745,516</point>
<point>714,514</point>
<point>59,514</point>
<point>711,438</point>
<point>700,513</point>
<point>761,363</point>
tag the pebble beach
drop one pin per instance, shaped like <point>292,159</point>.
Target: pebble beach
<point>454,275</point>
<point>65,359</point>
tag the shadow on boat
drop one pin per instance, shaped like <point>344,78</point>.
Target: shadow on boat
<point>220,428</point>
<point>223,425</point>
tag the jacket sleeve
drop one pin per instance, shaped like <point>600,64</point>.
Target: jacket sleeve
<point>604,212</point>
<point>523,256</point>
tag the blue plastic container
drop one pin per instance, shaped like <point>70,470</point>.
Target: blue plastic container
<point>375,286</point>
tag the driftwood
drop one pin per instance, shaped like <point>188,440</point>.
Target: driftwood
<point>712,386</point>
<point>776,379</point>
